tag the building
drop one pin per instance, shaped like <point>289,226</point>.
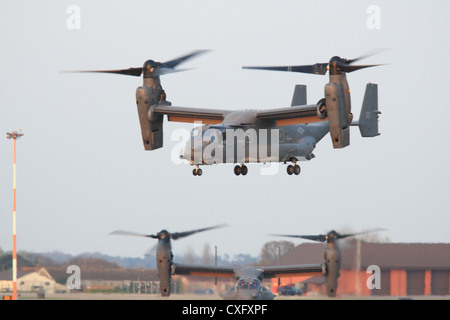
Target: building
<point>392,269</point>
<point>52,280</point>
<point>110,279</point>
<point>34,280</point>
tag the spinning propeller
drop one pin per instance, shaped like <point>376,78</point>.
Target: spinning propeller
<point>164,233</point>
<point>330,237</point>
<point>164,255</point>
<point>152,69</point>
<point>336,65</point>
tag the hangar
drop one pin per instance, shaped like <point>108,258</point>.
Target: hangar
<point>404,268</point>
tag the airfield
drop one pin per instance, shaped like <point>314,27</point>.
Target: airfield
<point>90,164</point>
<point>211,297</point>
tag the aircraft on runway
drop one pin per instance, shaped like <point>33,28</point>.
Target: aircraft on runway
<point>332,254</point>
<point>248,279</point>
<point>164,255</point>
<point>286,134</point>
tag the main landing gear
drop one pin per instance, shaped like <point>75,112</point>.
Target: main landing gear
<point>242,169</point>
<point>293,169</point>
<point>197,171</point>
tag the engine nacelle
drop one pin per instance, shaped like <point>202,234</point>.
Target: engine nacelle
<point>164,259</point>
<point>337,115</point>
<point>333,265</point>
<point>151,124</point>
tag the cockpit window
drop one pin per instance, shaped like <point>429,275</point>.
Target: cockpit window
<point>210,135</point>
<point>195,132</point>
<point>253,284</point>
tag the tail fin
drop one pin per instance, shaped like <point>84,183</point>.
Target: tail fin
<point>368,119</point>
<point>299,97</point>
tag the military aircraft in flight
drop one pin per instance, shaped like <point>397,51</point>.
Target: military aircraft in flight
<point>285,134</point>
<point>249,280</point>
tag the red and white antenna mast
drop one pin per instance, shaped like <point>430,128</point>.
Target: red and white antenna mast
<point>14,135</point>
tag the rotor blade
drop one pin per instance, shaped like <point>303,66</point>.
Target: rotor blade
<point>131,233</point>
<point>128,72</point>
<point>350,68</point>
<point>319,237</point>
<point>346,235</point>
<point>318,68</point>
<point>367,55</point>
<point>178,235</point>
<point>163,71</point>
<point>324,237</point>
<point>173,63</point>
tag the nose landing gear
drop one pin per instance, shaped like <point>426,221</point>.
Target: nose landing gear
<point>242,169</point>
<point>197,171</point>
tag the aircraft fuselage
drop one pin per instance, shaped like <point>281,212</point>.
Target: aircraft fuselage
<point>214,144</point>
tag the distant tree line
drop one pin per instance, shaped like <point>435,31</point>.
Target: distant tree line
<point>270,254</point>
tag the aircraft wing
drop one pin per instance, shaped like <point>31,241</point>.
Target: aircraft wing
<point>282,116</point>
<point>191,115</point>
<point>291,115</point>
<point>204,271</point>
<point>293,270</point>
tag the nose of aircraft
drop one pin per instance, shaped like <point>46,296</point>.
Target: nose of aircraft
<point>247,294</point>
<point>186,152</point>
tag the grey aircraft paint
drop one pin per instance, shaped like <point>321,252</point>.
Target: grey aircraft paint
<point>300,126</point>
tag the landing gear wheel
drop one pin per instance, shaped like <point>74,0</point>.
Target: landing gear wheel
<point>237,170</point>
<point>244,170</point>
<point>290,169</point>
<point>297,169</point>
<point>197,171</point>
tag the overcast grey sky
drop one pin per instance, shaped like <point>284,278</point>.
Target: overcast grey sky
<point>82,171</point>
